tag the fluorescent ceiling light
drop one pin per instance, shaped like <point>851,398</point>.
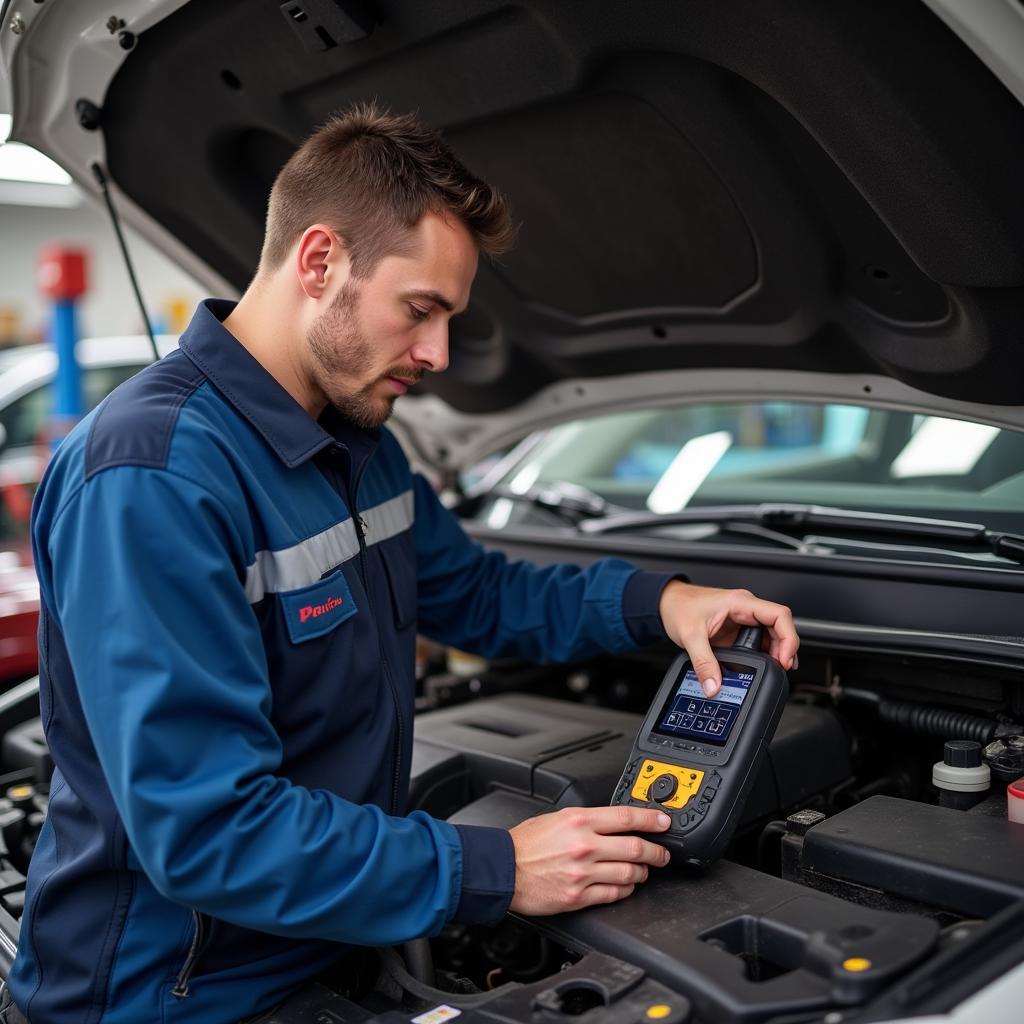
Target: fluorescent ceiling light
<point>22,163</point>
<point>942,447</point>
<point>689,469</point>
<point>525,478</point>
<point>33,193</point>
<point>501,512</point>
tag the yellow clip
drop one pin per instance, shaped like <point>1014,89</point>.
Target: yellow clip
<point>658,1011</point>
<point>856,963</point>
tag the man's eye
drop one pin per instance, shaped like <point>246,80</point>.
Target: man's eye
<point>419,314</point>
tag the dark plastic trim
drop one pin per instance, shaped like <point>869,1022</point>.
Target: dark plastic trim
<point>996,578</point>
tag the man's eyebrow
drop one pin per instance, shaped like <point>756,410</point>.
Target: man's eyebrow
<point>436,297</point>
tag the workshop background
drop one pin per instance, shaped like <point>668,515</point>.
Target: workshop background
<point>43,212</point>
<point>41,207</point>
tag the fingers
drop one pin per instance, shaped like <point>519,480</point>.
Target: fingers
<point>631,849</point>
<point>775,649</point>
<point>705,664</point>
<point>606,845</point>
<point>596,894</point>
<point>618,873</point>
<point>694,617</point>
<point>609,820</point>
<point>782,631</point>
<point>777,618</point>
<point>577,857</point>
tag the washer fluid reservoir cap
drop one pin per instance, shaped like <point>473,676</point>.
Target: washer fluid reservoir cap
<point>961,770</point>
<point>962,753</point>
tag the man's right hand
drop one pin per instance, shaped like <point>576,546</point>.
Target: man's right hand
<point>574,858</point>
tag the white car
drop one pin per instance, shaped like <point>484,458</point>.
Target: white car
<point>763,327</point>
<point>26,394</point>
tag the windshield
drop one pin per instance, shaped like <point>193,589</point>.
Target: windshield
<point>667,459</point>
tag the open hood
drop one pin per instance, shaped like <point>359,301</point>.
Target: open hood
<point>829,191</point>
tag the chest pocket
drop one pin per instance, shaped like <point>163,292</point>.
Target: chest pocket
<point>317,609</point>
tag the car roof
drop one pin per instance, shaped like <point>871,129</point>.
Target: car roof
<point>24,367</point>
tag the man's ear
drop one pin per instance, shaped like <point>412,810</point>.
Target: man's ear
<point>319,257</point>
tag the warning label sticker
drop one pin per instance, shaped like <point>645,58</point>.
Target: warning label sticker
<point>437,1015</point>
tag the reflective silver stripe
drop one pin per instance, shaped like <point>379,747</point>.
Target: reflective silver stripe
<point>388,518</point>
<point>304,563</point>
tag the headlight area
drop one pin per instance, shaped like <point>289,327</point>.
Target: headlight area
<point>874,870</point>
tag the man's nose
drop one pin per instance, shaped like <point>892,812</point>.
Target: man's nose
<point>431,348</point>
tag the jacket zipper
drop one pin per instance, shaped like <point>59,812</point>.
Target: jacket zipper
<point>351,494</point>
<point>181,990</point>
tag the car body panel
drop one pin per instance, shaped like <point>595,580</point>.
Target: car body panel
<point>447,438</point>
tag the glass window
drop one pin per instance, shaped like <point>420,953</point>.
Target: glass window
<point>668,459</point>
<point>25,421</point>
<point>26,417</point>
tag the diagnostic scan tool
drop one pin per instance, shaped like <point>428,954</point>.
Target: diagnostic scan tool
<point>696,757</point>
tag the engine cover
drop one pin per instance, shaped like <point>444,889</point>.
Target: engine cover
<point>740,945</point>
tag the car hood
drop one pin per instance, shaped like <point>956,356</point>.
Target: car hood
<point>827,194</point>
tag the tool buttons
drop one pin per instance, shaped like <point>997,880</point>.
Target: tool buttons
<point>687,783</point>
<point>687,820</point>
<point>663,788</point>
<point>628,775</point>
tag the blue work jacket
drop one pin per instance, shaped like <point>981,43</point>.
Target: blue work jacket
<point>230,597</point>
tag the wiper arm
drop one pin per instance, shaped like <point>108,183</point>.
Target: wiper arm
<point>791,517</point>
<point>570,501</point>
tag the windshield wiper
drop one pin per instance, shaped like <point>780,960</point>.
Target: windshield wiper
<point>578,506</point>
<point>790,517</point>
<point>570,501</point>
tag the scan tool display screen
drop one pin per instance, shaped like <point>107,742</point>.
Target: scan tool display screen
<point>689,714</point>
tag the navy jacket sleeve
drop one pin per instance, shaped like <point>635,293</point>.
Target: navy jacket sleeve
<point>479,601</point>
<point>173,681</point>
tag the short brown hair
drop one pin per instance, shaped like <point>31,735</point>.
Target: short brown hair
<point>372,175</point>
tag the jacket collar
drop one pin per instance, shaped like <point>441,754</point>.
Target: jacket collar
<point>289,430</point>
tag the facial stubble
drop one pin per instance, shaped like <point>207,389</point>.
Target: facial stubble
<point>339,348</point>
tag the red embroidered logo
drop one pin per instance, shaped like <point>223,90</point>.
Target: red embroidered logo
<point>313,611</point>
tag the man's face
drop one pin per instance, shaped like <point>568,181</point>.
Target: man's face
<point>382,333</point>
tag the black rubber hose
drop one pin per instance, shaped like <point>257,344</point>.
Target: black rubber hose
<point>947,725</point>
<point>419,960</point>
<point>396,970</point>
<point>773,831</point>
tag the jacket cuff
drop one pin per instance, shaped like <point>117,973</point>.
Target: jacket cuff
<point>488,874</point>
<point>640,600</point>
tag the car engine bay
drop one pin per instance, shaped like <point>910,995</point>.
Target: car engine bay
<point>853,888</point>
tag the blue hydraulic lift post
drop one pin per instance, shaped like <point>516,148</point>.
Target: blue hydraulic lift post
<point>62,277</point>
<point>67,390</point>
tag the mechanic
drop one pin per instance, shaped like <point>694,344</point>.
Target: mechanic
<point>235,558</point>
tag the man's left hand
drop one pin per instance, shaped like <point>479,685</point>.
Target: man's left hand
<point>697,618</point>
